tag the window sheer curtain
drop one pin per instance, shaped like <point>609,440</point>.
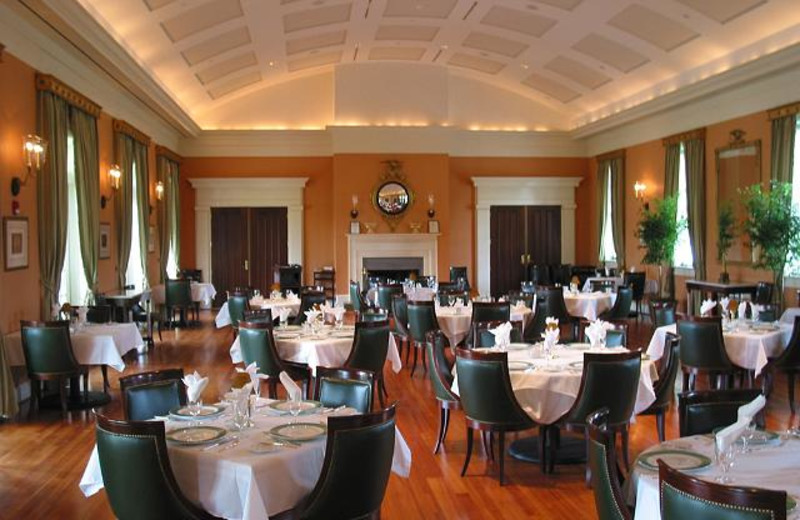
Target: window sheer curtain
<point>671,170</point>
<point>87,187</point>
<point>695,150</point>
<point>782,156</point>
<point>142,203</point>
<point>612,169</point>
<point>602,201</point>
<point>123,207</point>
<point>169,216</point>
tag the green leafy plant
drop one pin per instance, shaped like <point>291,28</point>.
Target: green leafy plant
<point>657,231</point>
<point>773,226</point>
<point>726,233</point>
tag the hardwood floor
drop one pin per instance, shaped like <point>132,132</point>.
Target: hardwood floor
<point>42,458</point>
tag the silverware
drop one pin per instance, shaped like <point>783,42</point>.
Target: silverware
<point>221,442</point>
<point>282,442</point>
<point>326,411</point>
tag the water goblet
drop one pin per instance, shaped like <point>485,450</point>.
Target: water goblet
<point>195,407</point>
<point>725,459</point>
<point>451,300</point>
<point>295,407</point>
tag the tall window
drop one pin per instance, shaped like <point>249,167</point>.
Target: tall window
<point>793,268</point>
<point>74,289</point>
<point>134,275</point>
<point>683,248</point>
<point>607,252</point>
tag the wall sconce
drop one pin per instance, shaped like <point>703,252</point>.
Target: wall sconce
<point>114,175</point>
<point>159,190</point>
<point>431,202</point>
<point>354,211</point>
<point>639,189</point>
<point>34,150</point>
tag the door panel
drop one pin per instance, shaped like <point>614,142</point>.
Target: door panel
<point>268,245</point>
<point>507,236</point>
<point>544,234</point>
<point>228,250</point>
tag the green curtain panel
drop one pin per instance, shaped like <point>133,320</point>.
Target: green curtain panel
<point>87,188</point>
<point>169,213</point>
<point>173,188</point>
<point>671,169</point>
<point>123,207</point>
<point>783,133</point>
<point>617,173</point>
<point>602,182</point>
<point>142,203</point>
<point>696,200</point>
<point>51,191</point>
<point>8,393</point>
<point>162,172</point>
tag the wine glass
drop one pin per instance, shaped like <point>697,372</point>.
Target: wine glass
<point>725,458</point>
<point>195,407</point>
<point>748,436</point>
<point>451,300</point>
<point>295,407</point>
<point>284,319</point>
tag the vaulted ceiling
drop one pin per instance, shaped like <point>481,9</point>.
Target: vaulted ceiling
<point>582,59</point>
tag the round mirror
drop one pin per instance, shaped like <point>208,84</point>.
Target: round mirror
<point>392,198</point>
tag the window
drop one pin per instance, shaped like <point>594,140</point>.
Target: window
<point>793,268</point>
<point>683,247</point>
<point>607,252</point>
<point>74,288</point>
<point>134,275</point>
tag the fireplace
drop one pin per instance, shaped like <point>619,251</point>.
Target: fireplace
<point>396,268</point>
<point>397,253</point>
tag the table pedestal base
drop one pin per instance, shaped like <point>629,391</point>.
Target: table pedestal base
<point>571,450</point>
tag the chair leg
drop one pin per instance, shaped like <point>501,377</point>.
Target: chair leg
<point>469,451</point>
<point>424,361</point>
<point>414,366</point>
<point>62,391</point>
<point>381,391</point>
<point>588,475</point>
<point>440,437</point>
<point>624,434</point>
<point>660,426</point>
<point>272,387</point>
<point>543,433</point>
<point>104,371</point>
<point>790,379</point>
<point>502,454</point>
<point>553,441</point>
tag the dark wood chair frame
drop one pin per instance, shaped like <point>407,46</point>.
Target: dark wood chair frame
<point>690,373</point>
<point>365,376</point>
<point>444,406</point>
<point>290,367</point>
<point>146,378</point>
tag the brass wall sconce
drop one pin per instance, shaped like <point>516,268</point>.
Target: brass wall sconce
<point>638,189</point>
<point>431,209</point>
<point>114,176</point>
<point>34,150</point>
<point>159,191</point>
<point>354,210</point>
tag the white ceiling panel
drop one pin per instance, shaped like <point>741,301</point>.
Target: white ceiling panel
<point>421,33</point>
<point>315,41</point>
<point>315,60</point>
<point>622,58</point>
<point>201,18</point>
<point>238,83</point>
<point>495,44</point>
<point>157,4</point>
<point>724,11</point>
<point>473,62</point>
<point>577,72</point>
<point>552,88</point>
<point>652,27</point>
<point>396,53</point>
<point>229,66</point>
<point>518,21</point>
<point>320,17</point>
<point>419,8</point>
<point>569,5</point>
<point>217,45</point>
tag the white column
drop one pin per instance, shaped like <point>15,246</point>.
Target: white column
<point>568,233</point>
<point>483,252</point>
<point>202,227</point>
<point>294,234</point>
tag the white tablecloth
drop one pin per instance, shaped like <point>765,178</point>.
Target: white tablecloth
<point>650,286</point>
<point>235,483</point>
<point>223,318</point>
<point>771,467</point>
<point>789,314</point>
<point>201,292</point>
<point>547,392</point>
<point>413,294</point>
<point>331,349</point>
<point>589,305</point>
<point>746,349</point>
<point>455,323</point>
<point>93,344</point>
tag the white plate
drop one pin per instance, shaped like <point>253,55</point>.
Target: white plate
<point>299,431</point>
<point>208,411</point>
<point>519,366</point>
<point>264,447</point>
<point>194,435</point>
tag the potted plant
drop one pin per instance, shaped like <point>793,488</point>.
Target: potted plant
<point>657,232</point>
<point>726,233</point>
<point>773,226</point>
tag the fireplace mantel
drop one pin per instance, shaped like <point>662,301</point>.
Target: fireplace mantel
<point>389,245</point>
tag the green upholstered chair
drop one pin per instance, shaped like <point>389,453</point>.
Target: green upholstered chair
<point>444,296</point>
<point>49,357</point>
<point>344,386</point>
<point>98,313</point>
<point>616,335</point>
<point>703,351</point>
<point>421,321</point>
<point>484,338</point>
<point>601,454</point>
<point>458,274</point>
<point>385,295</point>
<point>517,296</point>
<point>534,330</point>
<point>768,313</point>
<point>684,496</point>
<point>664,387</point>
<point>621,309</point>
<point>702,412</point>
<point>308,300</point>
<point>557,308</point>
<point>663,312</point>
<point>608,381</point>
<point>449,287</point>
<point>238,304</point>
<point>370,347</point>
<point>441,376</point>
<point>148,394</point>
<point>258,346</point>
<point>373,316</point>
<point>136,472</point>
<point>789,361</point>
<point>764,292</point>
<point>357,298</point>
<point>177,297</point>
<point>636,281</point>
<point>264,315</point>
<point>355,472</point>
<point>488,400</point>
<point>486,312</point>
<point>400,323</point>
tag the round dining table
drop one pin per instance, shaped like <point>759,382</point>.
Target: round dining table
<point>455,321</point>
<point>202,292</point>
<point>589,305</point>
<point>223,318</point>
<point>240,479</point>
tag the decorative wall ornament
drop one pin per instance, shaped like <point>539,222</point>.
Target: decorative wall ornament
<point>392,196</point>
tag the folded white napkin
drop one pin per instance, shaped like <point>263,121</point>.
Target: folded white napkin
<point>749,410</point>
<point>725,302</point>
<point>502,334</point>
<point>275,295</point>
<point>459,303</point>
<point>291,296</point>
<point>338,313</point>
<point>82,312</point>
<point>755,310</point>
<point>551,337</point>
<point>283,313</point>
<point>311,315</point>
<point>292,390</point>
<point>742,310</point>
<point>707,306</point>
<point>325,308</point>
<point>551,322</point>
<point>728,435</point>
<point>195,384</point>
<point>596,332</point>
<point>252,371</point>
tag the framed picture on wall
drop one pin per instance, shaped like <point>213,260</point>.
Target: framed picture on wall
<point>355,227</point>
<point>151,240</point>
<point>15,234</point>
<point>433,226</point>
<point>105,241</point>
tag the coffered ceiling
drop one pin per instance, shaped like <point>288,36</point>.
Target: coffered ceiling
<point>583,59</point>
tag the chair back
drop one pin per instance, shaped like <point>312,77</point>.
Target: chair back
<point>526,298</point>
<point>685,497</point>
<point>444,296</point>
<point>702,412</point>
<point>373,316</point>
<point>355,472</point>
<point>308,301</point>
<point>370,346</point>
<point>177,292</point>
<point>602,285</point>
<point>491,311</point>
<point>148,394</point>
<point>47,348</point>
<point>458,274</point>
<point>621,309</point>
<point>540,275</point>
<point>702,344</point>
<point>194,275</point>
<point>562,274</point>
<point>341,386</point>
<point>441,371</point>
<point>601,455</point>
<point>356,299</point>
<point>664,388</point>
<point>556,307</point>
<point>238,304</point>
<point>448,286</point>
<point>385,295</point>
<point>427,280</point>
<point>768,313</point>
<point>400,313</point>
<point>484,385</point>
<point>662,312</point>
<point>258,345</point>
<point>484,338</point>
<point>98,313</point>
<point>136,472</point>
<point>527,287</point>
<point>608,381</point>
<point>636,281</point>
<point>790,358</point>
<point>764,292</point>
<point>258,315</point>
<point>421,319</point>
<point>534,330</point>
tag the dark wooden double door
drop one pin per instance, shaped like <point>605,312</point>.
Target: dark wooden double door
<point>246,245</point>
<point>521,237</point>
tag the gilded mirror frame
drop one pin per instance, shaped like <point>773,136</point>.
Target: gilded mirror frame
<point>393,174</point>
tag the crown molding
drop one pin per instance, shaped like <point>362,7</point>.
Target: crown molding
<point>257,143</point>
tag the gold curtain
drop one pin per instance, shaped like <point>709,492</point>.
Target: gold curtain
<point>617,173</point>
<point>782,157</point>
<point>124,204</point>
<point>696,201</point>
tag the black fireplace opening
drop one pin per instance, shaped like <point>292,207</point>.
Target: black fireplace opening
<point>392,268</point>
